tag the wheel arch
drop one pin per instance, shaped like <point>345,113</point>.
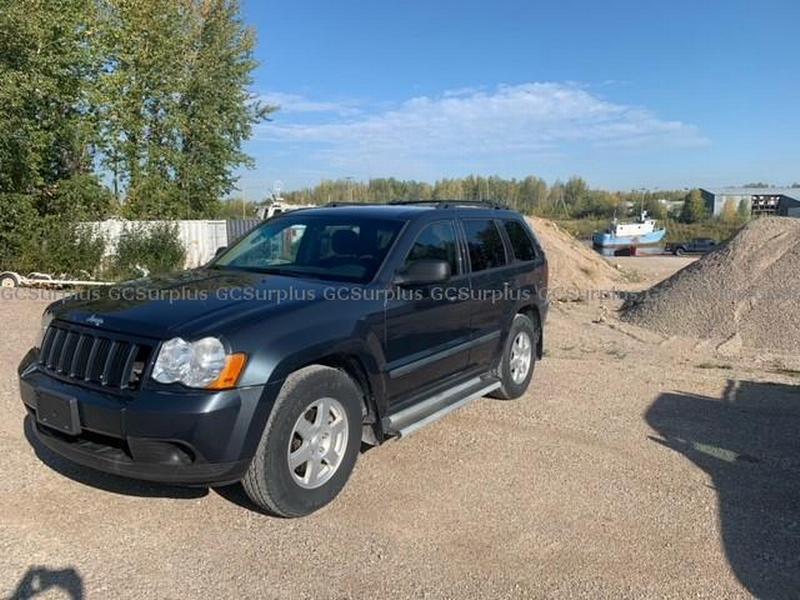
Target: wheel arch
<point>532,312</point>
<point>355,366</point>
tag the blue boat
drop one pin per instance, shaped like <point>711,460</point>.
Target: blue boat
<point>641,232</point>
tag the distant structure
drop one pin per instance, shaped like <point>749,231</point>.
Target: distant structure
<point>669,205</point>
<point>789,206</point>
<point>762,201</point>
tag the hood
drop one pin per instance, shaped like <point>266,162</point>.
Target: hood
<point>191,302</point>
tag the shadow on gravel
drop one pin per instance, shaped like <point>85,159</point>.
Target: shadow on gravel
<point>41,581</point>
<point>104,481</point>
<point>235,494</point>
<point>748,441</point>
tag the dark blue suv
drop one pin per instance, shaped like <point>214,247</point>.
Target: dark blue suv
<point>321,330</point>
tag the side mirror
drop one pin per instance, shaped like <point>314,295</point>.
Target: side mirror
<point>220,250</point>
<point>424,272</point>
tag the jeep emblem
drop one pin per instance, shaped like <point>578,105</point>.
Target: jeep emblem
<point>94,320</point>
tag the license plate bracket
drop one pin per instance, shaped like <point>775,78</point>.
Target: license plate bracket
<point>58,411</point>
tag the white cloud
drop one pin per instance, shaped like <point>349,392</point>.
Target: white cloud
<point>475,127</point>
<point>295,103</point>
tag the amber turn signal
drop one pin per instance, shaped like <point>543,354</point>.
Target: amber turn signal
<point>234,365</point>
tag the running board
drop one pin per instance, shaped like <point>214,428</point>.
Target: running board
<point>414,418</point>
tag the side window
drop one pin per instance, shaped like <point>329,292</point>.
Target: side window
<point>521,241</point>
<point>486,249</point>
<point>437,242</point>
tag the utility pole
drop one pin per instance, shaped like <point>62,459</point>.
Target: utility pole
<point>641,201</point>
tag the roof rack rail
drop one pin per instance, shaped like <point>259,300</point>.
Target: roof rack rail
<point>454,203</point>
<point>432,203</point>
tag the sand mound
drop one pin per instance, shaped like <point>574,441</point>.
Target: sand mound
<point>744,294</point>
<point>574,267</point>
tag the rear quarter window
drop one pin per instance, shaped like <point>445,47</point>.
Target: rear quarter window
<point>521,241</point>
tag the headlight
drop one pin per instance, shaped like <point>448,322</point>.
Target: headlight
<point>47,318</point>
<point>200,364</point>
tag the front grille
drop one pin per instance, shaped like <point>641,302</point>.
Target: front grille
<point>94,358</point>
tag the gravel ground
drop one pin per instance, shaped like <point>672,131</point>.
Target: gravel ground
<point>635,467</point>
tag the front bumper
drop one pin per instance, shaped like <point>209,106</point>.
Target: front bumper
<point>182,437</point>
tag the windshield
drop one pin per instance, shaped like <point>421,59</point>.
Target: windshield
<point>334,247</point>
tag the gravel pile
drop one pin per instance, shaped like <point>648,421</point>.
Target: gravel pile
<point>745,294</point>
<point>574,267</point>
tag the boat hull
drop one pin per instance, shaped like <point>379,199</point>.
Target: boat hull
<point>607,240</point>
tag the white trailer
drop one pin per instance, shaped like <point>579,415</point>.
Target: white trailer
<point>11,279</point>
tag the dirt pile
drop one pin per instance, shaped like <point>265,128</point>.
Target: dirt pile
<point>745,294</point>
<point>574,267</point>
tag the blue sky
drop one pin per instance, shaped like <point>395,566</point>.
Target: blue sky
<point>627,94</point>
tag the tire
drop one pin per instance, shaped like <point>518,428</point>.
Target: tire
<point>292,433</point>
<point>679,252</point>
<point>512,386</point>
<point>8,281</point>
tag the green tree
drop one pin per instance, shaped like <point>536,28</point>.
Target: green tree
<point>533,194</point>
<point>237,208</point>
<point>145,44</point>
<point>48,65</point>
<point>176,102</point>
<point>575,191</point>
<point>745,209</point>
<point>694,208</point>
<point>217,112</point>
<point>79,198</point>
<point>655,208</point>
<point>729,212</point>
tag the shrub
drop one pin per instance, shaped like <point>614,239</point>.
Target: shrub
<point>18,223</point>
<point>154,247</point>
<point>51,244</point>
<point>66,248</point>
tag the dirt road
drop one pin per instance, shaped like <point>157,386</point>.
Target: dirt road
<point>636,466</point>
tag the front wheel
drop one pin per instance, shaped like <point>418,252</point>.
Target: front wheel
<point>310,444</point>
<point>519,358</point>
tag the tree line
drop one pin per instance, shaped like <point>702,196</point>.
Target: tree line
<point>573,199</point>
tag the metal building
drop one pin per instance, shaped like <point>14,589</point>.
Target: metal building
<point>789,207</point>
<point>762,201</point>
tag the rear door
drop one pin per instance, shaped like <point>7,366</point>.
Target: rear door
<point>428,327</point>
<point>491,300</point>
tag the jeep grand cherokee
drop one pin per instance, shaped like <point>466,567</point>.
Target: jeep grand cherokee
<point>319,331</point>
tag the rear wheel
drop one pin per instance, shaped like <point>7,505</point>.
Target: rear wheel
<point>519,358</point>
<point>679,252</point>
<point>310,444</point>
